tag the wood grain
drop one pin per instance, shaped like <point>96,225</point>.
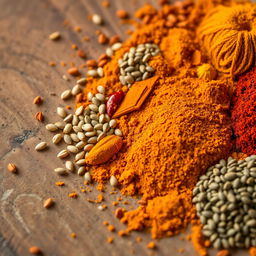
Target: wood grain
<point>25,51</point>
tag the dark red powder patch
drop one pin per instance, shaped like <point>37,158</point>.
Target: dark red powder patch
<point>244,113</point>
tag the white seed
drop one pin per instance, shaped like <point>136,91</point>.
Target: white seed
<point>65,95</point>
<point>81,123</point>
<point>87,127</point>
<point>60,125</point>
<point>100,97</point>
<point>72,149</point>
<point>112,123</point>
<point>81,162</point>
<point>51,127</point>
<point>101,136</point>
<point>77,129</point>
<point>41,146</point>
<point>80,144</point>
<point>116,46</point>
<point>102,118</point>
<point>88,147</point>
<point>65,78</point>
<point>90,134</point>
<point>94,122</point>
<point>105,127</point>
<point>87,111</point>
<point>81,171</point>
<point>56,138</point>
<point>60,171</point>
<point>79,110</point>
<point>100,71</point>
<point>110,132</point>
<point>101,89</point>
<point>54,36</point>
<point>79,155</point>
<point>113,181</point>
<point>92,140</point>
<point>92,72</point>
<point>89,96</point>
<point>68,118</point>
<point>67,128</point>
<point>96,19</point>
<point>118,132</point>
<point>109,52</point>
<point>98,127</point>
<point>95,101</point>
<point>75,120</point>
<point>102,109</point>
<point>67,139</point>
<point>98,132</point>
<point>75,90</point>
<point>81,81</point>
<point>87,177</point>
<point>94,117</point>
<point>80,118</point>
<point>87,119</point>
<point>74,137</point>
<point>93,108</point>
<point>81,136</point>
<point>63,153</point>
<point>107,118</point>
<point>61,112</point>
<point>70,166</point>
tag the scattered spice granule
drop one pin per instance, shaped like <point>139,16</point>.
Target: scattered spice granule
<point>35,250</point>
<point>105,3</point>
<point>106,223</point>
<point>12,168</point>
<point>113,192</point>
<point>39,116</point>
<point>37,100</point>
<point>52,63</point>
<point>114,39</point>
<point>119,213</point>
<point>60,183</point>
<point>73,71</point>
<point>74,46</point>
<point>65,22</point>
<point>48,203</point>
<point>81,54</point>
<point>110,240</point>
<point>115,203</point>
<point>139,239</point>
<point>123,233</point>
<point>68,107</point>
<point>125,202</point>
<point>78,29</point>
<point>100,198</point>
<point>151,245</point>
<point>223,253</point>
<point>102,39</point>
<point>83,190</point>
<point>181,250</point>
<point>73,195</point>
<point>63,64</point>
<point>207,243</point>
<point>252,251</point>
<point>163,2</point>
<point>73,235</point>
<point>122,14</point>
<point>100,187</point>
<point>111,228</point>
<point>119,199</point>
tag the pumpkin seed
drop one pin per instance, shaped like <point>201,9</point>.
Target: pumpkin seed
<point>61,171</point>
<point>41,146</point>
<point>63,153</point>
<point>56,138</point>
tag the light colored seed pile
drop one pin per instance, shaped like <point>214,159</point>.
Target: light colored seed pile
<point>225,199</point>
<point>81,131</point>
<point>133,66</point>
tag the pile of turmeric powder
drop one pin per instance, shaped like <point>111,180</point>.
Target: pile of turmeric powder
<point>182,128</point>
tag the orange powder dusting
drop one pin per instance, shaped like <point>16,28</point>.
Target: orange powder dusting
<point>252,251</point>
<point>181,129</point>
<point>198,240</point>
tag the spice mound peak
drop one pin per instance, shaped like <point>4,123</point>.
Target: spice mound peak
<point>229,36</point>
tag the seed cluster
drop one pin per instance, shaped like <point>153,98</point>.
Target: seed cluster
<point>225,199</point>
<point>133,66</point>
<point>81,131</point>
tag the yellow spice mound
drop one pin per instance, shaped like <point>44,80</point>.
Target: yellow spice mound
<point>229,36</point>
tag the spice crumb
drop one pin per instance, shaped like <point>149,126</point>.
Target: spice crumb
<point>48,203</point>
<point>223,253</point>
<point>115,203</point>
<point>35,250</point>
<point>52,63</point>
<point>119,213</point>
<point>138,239</point>
<point>105,3</point>
<point>181,250</point>
<point>73,235</point>
<point>122,14</point>
<point>60,183</point>
<point>123,233</point>
<point>151,245</point>
<point>110,240</point>
<point>105,223</point>
<point>111,228</point>
<point>39,116</point>
<point>37,100</point>
<point>73,71</point>
<point>12,168</point>
<point>78,29</point>
<point>73,195</point>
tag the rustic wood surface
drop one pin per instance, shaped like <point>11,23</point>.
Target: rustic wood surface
<point>25,51</point>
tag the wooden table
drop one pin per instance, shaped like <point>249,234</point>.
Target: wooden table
<point>25,51</point>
